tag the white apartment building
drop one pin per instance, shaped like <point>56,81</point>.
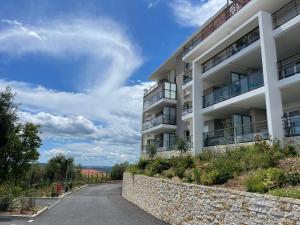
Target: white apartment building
<point>235,79</point>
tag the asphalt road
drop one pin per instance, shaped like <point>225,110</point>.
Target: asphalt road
<point>92,205</point>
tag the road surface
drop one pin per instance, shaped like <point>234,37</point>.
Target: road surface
<point>92,205</point>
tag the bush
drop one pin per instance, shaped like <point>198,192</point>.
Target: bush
<point>189,175</point>
<point>289,150</point>
<point>169,173</point>
<point>209,178</point>
<point>133,169</point>
<point>157,166</point>
<point>263,180</point>
<point>286,192</point>
<point>143,163</point>
<point>293,178</point>
<point>118,170</point>
<point>4,203</point>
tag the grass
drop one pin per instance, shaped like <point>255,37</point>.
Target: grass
<point>263,167</point>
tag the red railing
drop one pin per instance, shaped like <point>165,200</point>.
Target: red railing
<point>219,20</point>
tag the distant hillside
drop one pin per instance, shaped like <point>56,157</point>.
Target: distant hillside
<point>100,168</point>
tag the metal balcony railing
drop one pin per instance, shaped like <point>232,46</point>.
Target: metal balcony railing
<point>187,77</point>
<point>286,13</point>
<point>236,47</point>
<point>238,134</point>
<point>167,90</point>
<point>229,11</point>
<point>234,89</point>
<point>289,66</point>
<point>291,125</point>
<point>163,119</point>
<point>187,108</point>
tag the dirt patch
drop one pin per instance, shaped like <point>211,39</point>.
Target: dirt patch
<point>290,165</point>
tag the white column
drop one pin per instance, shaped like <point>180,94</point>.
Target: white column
<point>270,73</point>
<point>197,107</point>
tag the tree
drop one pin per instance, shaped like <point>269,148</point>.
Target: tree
<point>118,170</point>
<point>18,141</point>
<point>60,166</point>
<point>182,146</point>
<point>151,150</point>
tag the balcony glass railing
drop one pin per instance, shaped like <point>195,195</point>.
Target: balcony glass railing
<point>234,89</point>
<point>218,21</point>
<point>236,47</point>
<point>289,66</point>
<point>286,13</point>
<point>168,90</point>
<point>163,119</point>
<point>291,125</point>
<point>187,108</point>
<point>238,134</point>
<point>187,77</point>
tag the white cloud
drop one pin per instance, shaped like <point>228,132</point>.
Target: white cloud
<point>104,114</point>
<point>195,15</point>
<point>153,4</point>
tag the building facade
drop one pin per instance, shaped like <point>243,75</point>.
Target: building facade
<point>236,79</point>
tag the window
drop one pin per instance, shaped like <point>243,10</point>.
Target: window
<point>169,90</point>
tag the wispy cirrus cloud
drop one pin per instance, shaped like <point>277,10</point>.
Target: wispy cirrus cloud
<point>190,14</point>
<point>105,114</point>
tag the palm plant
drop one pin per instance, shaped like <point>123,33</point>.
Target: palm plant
<point>183,146</point>
<point>151,150</point>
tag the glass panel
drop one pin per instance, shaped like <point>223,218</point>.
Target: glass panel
<point>289,71</point>
<point>237,123</point>
<point>173,87</point>
<point>167,86</point>
<point>173,95</point>
<point>167,94</point>
<point>298,67</point>
<point>166,111</point>
<point>172,112</point>
<point>247,124</point>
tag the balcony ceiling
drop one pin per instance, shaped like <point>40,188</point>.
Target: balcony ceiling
<point>251,60</point>
<point>288,43</point>
<point>289,97</point>
<point>238,108</point>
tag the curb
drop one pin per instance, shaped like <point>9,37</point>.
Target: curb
<point>45,208</point>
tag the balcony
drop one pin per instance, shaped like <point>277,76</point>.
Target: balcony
<point>236,88</point>
<point>236,135</point>
<point>160,120</point>
<point>291,125</point>
<point>187,77</point>
<point>164,90</point>
<point>289,66</point>
<point>236,47</point>
<point>286,13</point>
<point>187,108</point>
<point>217,22</point>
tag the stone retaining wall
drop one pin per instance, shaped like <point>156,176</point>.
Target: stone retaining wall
<point>181,203</point>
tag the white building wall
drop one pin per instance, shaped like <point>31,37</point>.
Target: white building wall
<point>270,73</point>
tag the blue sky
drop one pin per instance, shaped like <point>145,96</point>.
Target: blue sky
<point>79,67</point>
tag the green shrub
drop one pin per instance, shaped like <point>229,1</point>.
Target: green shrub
<point>289,151</point>
<point>169,173</point>
<point>4,203</point>
<point>292,192</point>
<point>263,180</point>
<point>293,178</point>
<point>189,176</point>
<point>197,175</point>
<point>143,163</point>
<point>133,169</point>
<point>207,155</point>
<point>157,166</point>
<point>209,178</point>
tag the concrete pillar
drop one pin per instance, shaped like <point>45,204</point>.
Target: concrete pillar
<point>270,72</point>
<point>198,123</point>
